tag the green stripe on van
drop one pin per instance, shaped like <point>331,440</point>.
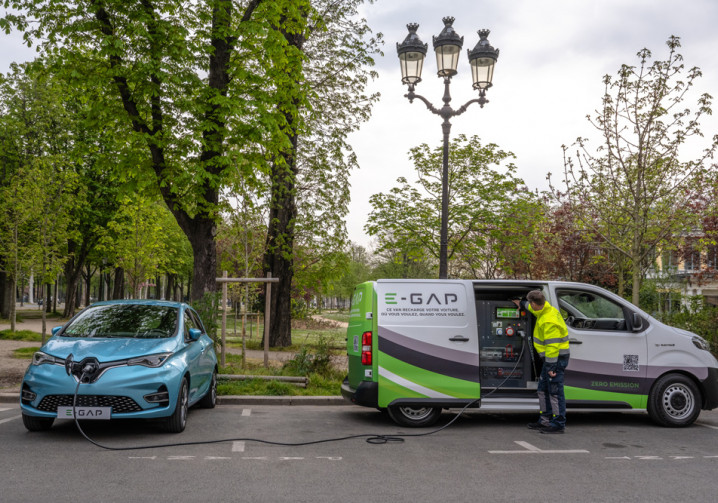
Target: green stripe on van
<point>635,401</point>
<point>450,386</point>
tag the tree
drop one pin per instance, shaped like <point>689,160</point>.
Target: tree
<point>321,99</point>
<point>36,183</point>
<point>480,185</point>
<point>634,191</point>
<point>186,80</point>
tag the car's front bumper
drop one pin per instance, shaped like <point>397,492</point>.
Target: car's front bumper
<point>123,388</point>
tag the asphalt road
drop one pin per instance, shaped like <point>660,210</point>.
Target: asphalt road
<point>485,456</point>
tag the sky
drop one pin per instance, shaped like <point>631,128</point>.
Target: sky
<point>548,78</point>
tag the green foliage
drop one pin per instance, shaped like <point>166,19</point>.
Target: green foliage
<point>483,193</point>
<point>316,360</point>
<point>635,192</point>
<point>208,309</point>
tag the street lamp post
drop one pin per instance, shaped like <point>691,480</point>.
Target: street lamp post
<point>447,47</point>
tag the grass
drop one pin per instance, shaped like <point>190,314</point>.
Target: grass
<point>25,353</point>
<point>20,335</point>
<point>326,383</point>
<point>342,316</point>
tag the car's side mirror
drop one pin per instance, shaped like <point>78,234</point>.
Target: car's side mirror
<point>636,322</point>
<point>55,330</point>
<point>194,334</point>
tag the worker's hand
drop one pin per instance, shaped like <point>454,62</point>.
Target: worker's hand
<point>552,373</point>
<point>517,302</point>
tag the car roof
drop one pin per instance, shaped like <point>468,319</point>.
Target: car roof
<point>145,302</point>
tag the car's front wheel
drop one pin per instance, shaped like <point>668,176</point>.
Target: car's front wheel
<point>209,400</point>
<point>178,420</point>
<point>33,423</point>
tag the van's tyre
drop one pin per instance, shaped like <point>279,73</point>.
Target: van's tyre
<point>675,401</point>
<point>209,400</point>
<point>178,420</point>
<point>33,423</point>
<point>414,417</point>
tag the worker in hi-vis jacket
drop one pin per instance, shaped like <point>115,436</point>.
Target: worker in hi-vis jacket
<point>551,342</point>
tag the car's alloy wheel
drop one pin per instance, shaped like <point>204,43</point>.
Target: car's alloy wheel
<point>209,400</point>
<point>178,420</point>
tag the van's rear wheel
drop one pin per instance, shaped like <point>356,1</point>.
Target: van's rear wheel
<point>675,401</point>
<point>414,416</point>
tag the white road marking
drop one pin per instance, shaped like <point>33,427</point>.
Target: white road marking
<point>3,409</point>
<point>237,446</point>
<point>180,458</point>
<point>212,458</point>
<point>264,458</point>
<point>142,457</point>
<point>288,458</point>
<point>708,426</point>
<point>246,412</point>
<point>619,457</point>
<point>10,419</point>
<point>531,449</point>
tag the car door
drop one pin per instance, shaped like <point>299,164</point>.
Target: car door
<point>195,356</point>
<point>607,368</point>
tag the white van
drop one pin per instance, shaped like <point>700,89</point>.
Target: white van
<point>417,346</point>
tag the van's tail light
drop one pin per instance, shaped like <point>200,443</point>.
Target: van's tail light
<point>366,348</point>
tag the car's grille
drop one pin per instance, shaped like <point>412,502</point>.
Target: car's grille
<point>119,404</point>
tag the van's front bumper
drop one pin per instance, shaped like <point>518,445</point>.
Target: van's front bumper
<point>710,390</point>
<point>366,393</point>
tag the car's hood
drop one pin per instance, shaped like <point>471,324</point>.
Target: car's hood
<point>107,349</point>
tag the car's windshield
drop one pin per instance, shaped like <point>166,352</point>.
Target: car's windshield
<point>124,320</point>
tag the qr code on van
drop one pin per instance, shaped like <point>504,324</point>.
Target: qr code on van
<point>630,363</point>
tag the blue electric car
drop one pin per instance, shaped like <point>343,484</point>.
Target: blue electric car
<point>123,359</point>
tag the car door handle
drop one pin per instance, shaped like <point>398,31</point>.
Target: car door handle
<point>574,341</point>
<point>459,338</point>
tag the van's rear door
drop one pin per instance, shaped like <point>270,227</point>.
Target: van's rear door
<point>427,340</point>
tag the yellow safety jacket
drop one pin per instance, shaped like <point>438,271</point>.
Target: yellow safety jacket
<point>550,333</point>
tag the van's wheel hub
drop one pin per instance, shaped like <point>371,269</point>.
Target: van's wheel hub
<point>416,414</point>
<point>678,401</point>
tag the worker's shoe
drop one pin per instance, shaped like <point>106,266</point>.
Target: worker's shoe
<point>551,429</point>
<point>536,426</point>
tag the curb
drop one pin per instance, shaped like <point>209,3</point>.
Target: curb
<point>241,400</point>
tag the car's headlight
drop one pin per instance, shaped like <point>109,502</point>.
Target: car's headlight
<point>40,358</point>
<point>701,343</point>
<point>150,360</point>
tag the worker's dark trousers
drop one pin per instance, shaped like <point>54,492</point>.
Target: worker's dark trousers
<point>552,400</point>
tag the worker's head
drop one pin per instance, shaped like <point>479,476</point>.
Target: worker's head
<point>537,300</point>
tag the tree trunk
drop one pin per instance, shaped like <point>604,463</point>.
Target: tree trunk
<point>88,283</point>
<point>118,289</point>
<point>4,294</point>
<point>280,249</point>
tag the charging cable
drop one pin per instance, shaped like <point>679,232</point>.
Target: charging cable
<point>371,438</point>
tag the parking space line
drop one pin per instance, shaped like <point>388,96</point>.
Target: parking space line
<point>708,426</point>
<point>10,419</point>
<point>237,446</point>
<point>3,409</point>
<point>532,449</point>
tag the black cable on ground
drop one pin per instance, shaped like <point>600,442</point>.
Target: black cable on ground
<point>370,438</point>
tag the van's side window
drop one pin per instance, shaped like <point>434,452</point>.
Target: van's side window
<point>589,311</point>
